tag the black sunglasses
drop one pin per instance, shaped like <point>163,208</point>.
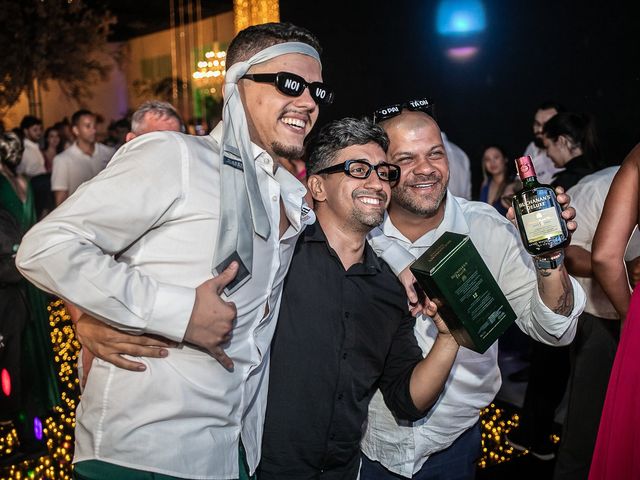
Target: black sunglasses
<point>390,111</point>
<point>293,85</point>
<point>362,169</point>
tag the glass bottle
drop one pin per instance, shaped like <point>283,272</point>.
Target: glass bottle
<point>538,213</point>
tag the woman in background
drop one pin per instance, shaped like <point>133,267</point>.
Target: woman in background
<point>496,176</point>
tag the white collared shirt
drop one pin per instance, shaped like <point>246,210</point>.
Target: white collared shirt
<point>546,170</point>
<point>130,247</point>
<point>32,162</point>
<point>475,379</point>
<point>587,197</point>
<point>459,169</point>
<point>73,167</point>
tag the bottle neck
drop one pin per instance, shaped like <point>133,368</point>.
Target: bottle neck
<point>530,182</point>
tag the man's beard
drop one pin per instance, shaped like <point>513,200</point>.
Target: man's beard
<point>290,152</point>
<point>365,221</point>
<point>415,204</point>
<point>538,142</point>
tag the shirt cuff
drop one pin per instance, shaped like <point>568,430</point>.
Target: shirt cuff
<point>559,329</point>
<point>171,311</point>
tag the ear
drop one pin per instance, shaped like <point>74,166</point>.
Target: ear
<point>315,185</point>
<point>565,142</point>
<point>130,136</point>
<point>74,130</point>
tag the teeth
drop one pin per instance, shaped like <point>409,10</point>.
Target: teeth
<point>423,185</point>
<point>294,122</point>
<point>370,201</point>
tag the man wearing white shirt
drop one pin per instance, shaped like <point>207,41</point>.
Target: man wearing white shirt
<point>446,443</point>
<point>32,163</point>
<point>460,168</point>
<point>546,170</point>
<point>81,161</point>
<point>136,246</point>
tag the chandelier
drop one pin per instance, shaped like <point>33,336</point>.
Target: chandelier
<point>213,67</point>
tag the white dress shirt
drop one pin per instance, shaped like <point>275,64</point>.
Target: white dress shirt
<point>73,167</point>
<point>459,169</point>
<point>130,247</point>
<point>587,197</point>
<point>546,170</point>
<point>32,162</point>
<point>475,379</point>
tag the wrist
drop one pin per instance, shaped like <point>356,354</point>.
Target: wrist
<point>549,261</point>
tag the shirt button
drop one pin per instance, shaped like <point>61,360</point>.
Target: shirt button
<point>332,436</point>
<point>344,356</point>
<point>274,198</point>
<point>340,396</point>
<point>346,314</point>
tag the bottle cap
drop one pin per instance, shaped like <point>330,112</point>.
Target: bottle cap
<point>525,167</point>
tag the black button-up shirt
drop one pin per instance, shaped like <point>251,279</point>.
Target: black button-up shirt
<point>340,336</point>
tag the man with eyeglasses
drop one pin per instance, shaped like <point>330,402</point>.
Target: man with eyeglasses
<point>445,444</point>
<point>137,248</point>
<point>344,329</point>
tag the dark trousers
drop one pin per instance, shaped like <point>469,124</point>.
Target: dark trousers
<point>592,355</point>
<point>548,377</point>
<point>457,462</point>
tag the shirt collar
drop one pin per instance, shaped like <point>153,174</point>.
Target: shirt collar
<point>453,221</point>
<point>292,190</point>
<point>30,143</point>
<point>371,262</point>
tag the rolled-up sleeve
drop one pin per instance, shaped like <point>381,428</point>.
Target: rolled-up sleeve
<point>74,251</point>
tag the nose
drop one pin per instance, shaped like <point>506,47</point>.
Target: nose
<point>305,101</point>
<point>423,166</point>
<point>373,182</point>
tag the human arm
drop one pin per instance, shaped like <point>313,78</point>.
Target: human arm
<point>76,250</point>
<point>619,218</point>
<point>60,196</point>
<point>578,261</point>
<point>554,285</point>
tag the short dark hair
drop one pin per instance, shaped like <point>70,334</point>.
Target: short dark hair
<point>548,105</point>
<point>338,135</point>
<point>253,39</point>
<point>579,129</point>
<point>75,118</point>
<point>29,121</point>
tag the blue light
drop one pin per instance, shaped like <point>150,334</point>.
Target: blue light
<point>455,17</point>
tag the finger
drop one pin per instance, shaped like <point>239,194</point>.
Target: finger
<point>572,225</point>
<point>227,275</point>
<point>220,356</point>
<point>559,190</point>
<point>569,213</point>
<point>416,310</point>
<point>430,309</point>
<point>412,296</point>
<point>137,350</point>
<point>149,341</point>
<point>511,215</point>
<point>126,364</point>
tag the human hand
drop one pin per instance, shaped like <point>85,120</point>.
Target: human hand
<point>212,318</point>
<point>109,344</point>
<point>419,303</point>
<point>568,212</point>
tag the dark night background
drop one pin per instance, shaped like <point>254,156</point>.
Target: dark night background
<point>585,56</point>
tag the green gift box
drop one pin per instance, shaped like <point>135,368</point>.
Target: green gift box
<point>455,277</point>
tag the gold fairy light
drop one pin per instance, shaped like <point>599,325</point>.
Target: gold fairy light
<point>254,12</point>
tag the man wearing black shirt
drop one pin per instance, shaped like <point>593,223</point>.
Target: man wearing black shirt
<point>344,329</point>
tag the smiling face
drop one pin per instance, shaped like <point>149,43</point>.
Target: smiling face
<point>416,147</point>
<point>277,122</point>
<point>356,204</point>
<point>494,162</point>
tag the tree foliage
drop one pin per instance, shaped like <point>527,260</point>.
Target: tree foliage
<point>63,40</point>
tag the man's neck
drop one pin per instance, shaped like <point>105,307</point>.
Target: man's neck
<point>347,243</point>
<point>414,226</point>
<point>85,147</point>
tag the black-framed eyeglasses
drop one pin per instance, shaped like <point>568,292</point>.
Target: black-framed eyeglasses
<point>293,85</point>
<point>362,169</point>
<point>390,111</point>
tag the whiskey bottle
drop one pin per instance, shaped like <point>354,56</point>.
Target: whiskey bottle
<point>538,213</point>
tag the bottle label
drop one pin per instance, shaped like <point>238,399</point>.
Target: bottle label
<point>542,224</point>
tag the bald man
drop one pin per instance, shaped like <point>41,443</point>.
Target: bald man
<point>446,443</point>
